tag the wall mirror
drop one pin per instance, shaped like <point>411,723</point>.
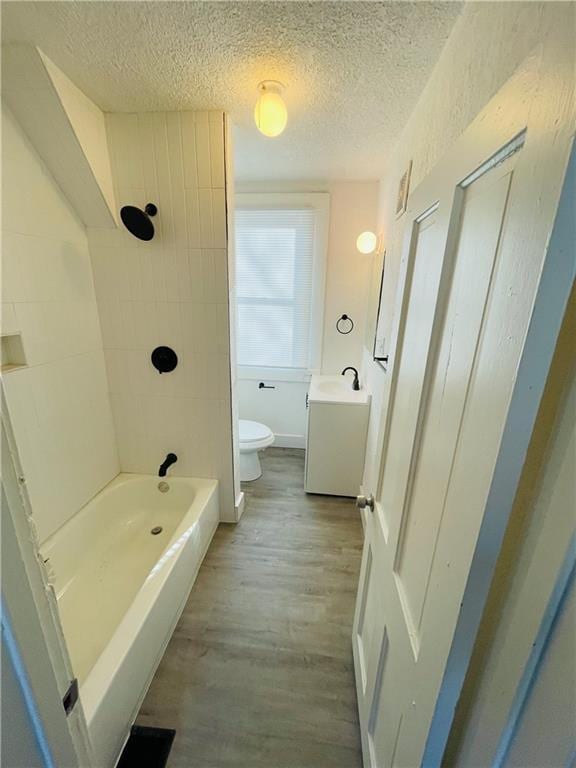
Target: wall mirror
<point>380,350</point>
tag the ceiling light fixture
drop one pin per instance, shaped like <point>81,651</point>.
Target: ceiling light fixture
<point>270,112</point>
<point>367,242</point>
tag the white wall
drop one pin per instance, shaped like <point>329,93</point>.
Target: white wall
<point>170,291</point>
<point>283,408</point>
<point>59,403</point>
<point>65,128</point>
<point>487,44</point>
<point>89,125</point>
<point>353,209</point>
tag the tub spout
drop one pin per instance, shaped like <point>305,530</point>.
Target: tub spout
<point>168,461</point>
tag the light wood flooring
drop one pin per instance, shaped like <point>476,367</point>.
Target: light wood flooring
<point>259,670</point>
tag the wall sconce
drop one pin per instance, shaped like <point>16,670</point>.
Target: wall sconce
<point>270,113</point>
<point>368,243</point>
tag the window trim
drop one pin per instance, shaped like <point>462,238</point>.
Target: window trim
<point>319,202</point>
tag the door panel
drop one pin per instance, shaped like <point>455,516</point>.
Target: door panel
<point>426,254</point>
<point>483,208</point>
<point>369,628</point>
<point>475,241</point>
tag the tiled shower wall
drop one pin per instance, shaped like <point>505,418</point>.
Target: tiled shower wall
<point>171,291</point>
<point>58,402</point>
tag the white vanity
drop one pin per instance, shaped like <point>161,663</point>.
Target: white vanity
<point>336,439</point>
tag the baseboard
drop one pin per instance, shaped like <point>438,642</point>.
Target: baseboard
<point>290,441</point>
<point>239,505</point>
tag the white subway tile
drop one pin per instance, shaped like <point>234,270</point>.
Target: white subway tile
<point>193,218</point>
<point>203,154</point>
<point>165,205</point>
<point>217,154</point>
<point>175,159</point>
<point>206,220</point>
<point>219,218</point>
<point>123,141</point>
<point>189,150</point>
<point>222,344</point>
<point>137,365</point>
<point>221,291</point>
<point>13,286</point>
<point>104,238</point>
<point>216,116</point>
<point>116,379</point>
<point>9,324</point>
<point>147,155</point>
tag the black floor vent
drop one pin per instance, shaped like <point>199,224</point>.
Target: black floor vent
<point>147,747</point>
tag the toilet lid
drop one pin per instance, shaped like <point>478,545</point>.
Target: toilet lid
<point>253,431</point>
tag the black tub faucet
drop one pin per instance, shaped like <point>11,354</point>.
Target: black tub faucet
<point>168,461</point>
<point>355,383</point>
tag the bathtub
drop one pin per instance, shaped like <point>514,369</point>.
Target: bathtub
<point>121,589</point>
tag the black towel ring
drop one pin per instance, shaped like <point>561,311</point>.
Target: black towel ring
<point>345,319</point>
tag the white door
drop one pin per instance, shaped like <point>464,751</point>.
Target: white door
<point>475,242</point>
<point>46,724</point>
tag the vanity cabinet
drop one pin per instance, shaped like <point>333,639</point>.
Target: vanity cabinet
<point>336,436</point>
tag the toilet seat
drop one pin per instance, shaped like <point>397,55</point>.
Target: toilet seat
<point>254,436</point>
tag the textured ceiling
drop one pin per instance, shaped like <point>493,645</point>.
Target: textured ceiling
<point>353,70</point>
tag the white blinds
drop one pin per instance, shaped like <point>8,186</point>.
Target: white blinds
<point>274,263</point>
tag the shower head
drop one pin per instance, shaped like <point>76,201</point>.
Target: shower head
<point>138,222</point>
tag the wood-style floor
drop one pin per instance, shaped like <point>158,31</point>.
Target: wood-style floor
<point>258,673</point>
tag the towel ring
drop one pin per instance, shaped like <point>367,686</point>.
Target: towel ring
<point>345,319</point>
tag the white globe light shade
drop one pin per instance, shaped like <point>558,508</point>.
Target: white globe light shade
<point>367,242</point>
<point>270,113</point>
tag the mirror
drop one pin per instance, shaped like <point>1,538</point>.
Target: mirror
<point>380,351</point>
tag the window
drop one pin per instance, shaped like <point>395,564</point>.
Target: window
<point>280,245</point>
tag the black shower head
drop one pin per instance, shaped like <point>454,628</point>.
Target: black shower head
<point>138,222</point>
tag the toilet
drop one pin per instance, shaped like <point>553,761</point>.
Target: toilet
<point>253,437</point>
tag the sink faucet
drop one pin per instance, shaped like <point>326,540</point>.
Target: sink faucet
<point>170,459</point>
<point>355,383</point>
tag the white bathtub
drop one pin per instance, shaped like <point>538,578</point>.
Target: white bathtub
<point>121,590</point>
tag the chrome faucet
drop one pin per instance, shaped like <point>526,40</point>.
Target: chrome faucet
<point>170,459</point>
<point>355,383</point>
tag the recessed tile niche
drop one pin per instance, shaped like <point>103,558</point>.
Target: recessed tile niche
<point>13,356</point>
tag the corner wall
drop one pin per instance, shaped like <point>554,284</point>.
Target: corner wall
<point>171,291</point>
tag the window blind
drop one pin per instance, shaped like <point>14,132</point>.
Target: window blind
<point>274,276</point>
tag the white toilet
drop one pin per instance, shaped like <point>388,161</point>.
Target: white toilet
<point>253,437</point>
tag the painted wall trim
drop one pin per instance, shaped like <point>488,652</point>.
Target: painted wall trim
<point>240,505</point>
<point>289,441</point>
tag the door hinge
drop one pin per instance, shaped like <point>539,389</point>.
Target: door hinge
<point>70,697</point>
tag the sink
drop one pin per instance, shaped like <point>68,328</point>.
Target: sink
<point>336,436</point>
<point>336,389</point>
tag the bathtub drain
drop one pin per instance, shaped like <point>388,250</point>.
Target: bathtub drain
<point>156,530</point>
